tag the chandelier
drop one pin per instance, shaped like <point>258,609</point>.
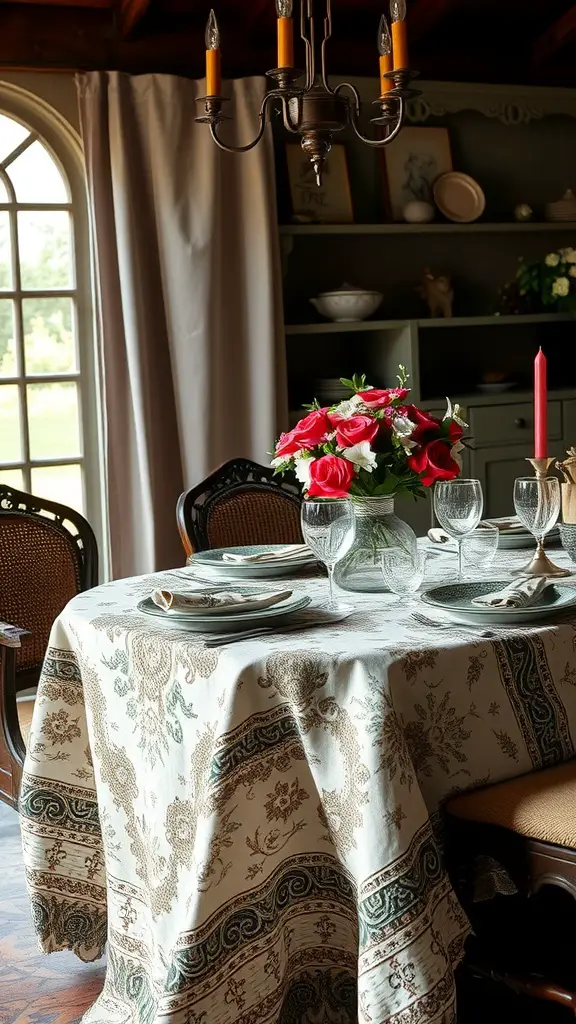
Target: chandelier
<point>309,107</point>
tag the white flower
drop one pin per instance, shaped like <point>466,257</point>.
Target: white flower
<point>570,256</point>
<point>280,460</point>
<point>454,412</point>
<point>565,253</point>
<point>302,465</point>
<point>361,455</point>
<point>552,259</point>
<point>455,451</point>
<point>349,408</point>
<point>561,287</point>
<point>404,428</point>
<point>572,271</point>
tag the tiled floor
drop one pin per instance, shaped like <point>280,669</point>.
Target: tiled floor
<point>34,989</point>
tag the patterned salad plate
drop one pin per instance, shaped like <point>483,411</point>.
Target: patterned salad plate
<point>229,623</point>
<point>456,600</point>
<point>211,563</point>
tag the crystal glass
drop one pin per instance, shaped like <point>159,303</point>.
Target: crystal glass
<point>328,527</point>
<point>458,506</point>
<point>479,548</point>
<point>403,571</point>
<point>537,504</point>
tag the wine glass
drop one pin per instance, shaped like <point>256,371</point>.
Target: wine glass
<point>403,571</point>
<point>479,548</point>
<point>537,504</point>
<point>329,526</point>
<point>458,506</point>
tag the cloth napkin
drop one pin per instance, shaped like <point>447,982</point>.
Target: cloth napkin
<point>506,525</point>
<point>519,594</point>
<point>438,536</point>
<point>294,551</point>
<point>168,600</point>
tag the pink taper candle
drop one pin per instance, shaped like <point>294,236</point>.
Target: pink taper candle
<point>540,407</point>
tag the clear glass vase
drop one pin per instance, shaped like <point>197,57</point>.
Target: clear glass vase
<point>377,527</point>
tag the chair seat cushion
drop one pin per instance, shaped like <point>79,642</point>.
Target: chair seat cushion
<point>541,805</point>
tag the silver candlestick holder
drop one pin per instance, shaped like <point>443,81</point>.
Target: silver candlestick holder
<point>541,564</point>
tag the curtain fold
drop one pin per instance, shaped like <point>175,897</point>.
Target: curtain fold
<point>189,291</point>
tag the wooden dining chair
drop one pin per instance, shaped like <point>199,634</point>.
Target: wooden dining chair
<point>527,826</point>
<point>48,554</point>
<point>240,503</point>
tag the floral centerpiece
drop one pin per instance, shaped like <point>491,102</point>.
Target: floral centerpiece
<point>371,447</point>
<point>548,284</point>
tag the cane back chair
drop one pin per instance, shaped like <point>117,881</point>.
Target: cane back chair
<point>527,826</point>
<point>48,554</point>
<point>241,503</point>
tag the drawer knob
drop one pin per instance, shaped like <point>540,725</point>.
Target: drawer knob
<point>520,423</point>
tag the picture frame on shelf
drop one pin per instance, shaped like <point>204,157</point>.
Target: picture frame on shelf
<point>329,203</point>
<point>412,163</point>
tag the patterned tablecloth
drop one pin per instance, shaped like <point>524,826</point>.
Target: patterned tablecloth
<point>254,829</point>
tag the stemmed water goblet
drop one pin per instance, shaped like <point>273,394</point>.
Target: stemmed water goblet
<point>328,526</point>
<point>403,571</point>
<point>537,504</point>
<point>458,505</point>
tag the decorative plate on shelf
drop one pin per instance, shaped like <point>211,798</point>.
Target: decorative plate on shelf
<point>459,197</point>
<point>496,387</point>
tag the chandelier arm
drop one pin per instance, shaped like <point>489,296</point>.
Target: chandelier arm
<point>306,13</point>
<point>353,90</point>
<point>272,95</point>
<point>380,143</point>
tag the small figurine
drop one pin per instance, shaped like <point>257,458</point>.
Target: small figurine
<point>523,213</point>
<point>437,292</point>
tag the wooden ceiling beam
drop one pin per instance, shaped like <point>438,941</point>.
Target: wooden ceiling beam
<point>559,35</point>
<point>424,16</point>
<point>130,12</point>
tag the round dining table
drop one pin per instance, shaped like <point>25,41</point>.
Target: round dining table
<point>253,831</point>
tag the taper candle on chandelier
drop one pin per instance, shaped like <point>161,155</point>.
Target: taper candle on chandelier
<point>311,108</point>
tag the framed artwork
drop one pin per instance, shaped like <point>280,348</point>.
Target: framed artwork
<point>412,163</point>
<point>331,203</point>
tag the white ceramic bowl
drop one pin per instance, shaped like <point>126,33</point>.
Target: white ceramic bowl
<point>346,307</point>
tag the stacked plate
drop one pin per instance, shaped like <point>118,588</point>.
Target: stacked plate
<point>228,618</point>
<point>513,535</point>
<point>258,561</point>
<point>456,600</point>
<point>329,390</point>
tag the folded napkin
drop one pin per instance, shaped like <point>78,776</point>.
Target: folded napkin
<point>519,594</point>
<point>438,536</point>
<point>294,551</point>
<point>168,600</point>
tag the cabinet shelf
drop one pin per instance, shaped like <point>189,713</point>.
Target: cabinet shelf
<point>455,321</point>
<point>482,227</point>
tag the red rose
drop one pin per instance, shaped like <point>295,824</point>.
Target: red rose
<point>434,462</point>
<point>379,399</point>
<point>330,477</point>
<point>355,430</point>
<point>427,427</point>
<point>306,435</point>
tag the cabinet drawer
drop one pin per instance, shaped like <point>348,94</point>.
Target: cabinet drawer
<point>511,424</point>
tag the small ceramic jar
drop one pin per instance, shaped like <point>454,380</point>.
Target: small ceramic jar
<point>418,212</point>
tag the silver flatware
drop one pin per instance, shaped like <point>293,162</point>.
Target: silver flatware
<point>226,639</point>
<point>423,620</point>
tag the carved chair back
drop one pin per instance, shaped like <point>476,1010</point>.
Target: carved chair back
<point>241,503</point>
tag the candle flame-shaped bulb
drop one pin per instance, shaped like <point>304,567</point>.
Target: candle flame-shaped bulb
<point>398,10</point>
<point>284,8</point>
<point>212,36</point>
<point>384,40</point>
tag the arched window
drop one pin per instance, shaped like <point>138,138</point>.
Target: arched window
<point>48,400</point>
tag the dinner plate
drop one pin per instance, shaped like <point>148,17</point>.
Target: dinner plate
<point>258,602</point>
<point>225,623</point>
<point>459,197</point>
<point>214,563</point>
<point>456,600</point>
<point>513,541</point>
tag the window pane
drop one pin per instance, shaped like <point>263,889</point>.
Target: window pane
<point>12,477</point>
<point>59,483</point>
<point>10,441</point>
<point>44,238</point>
<point>12,133</point>
<point>53,421</point>
<point>36,178</point>
<point>49,345</point>
<point>5,246</point>
<point>4,197</point>
<point>8,354</point>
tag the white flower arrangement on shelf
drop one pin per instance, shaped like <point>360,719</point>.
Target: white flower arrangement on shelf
<point>549,283</point>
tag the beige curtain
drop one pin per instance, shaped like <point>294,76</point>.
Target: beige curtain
<point>188,282</point>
